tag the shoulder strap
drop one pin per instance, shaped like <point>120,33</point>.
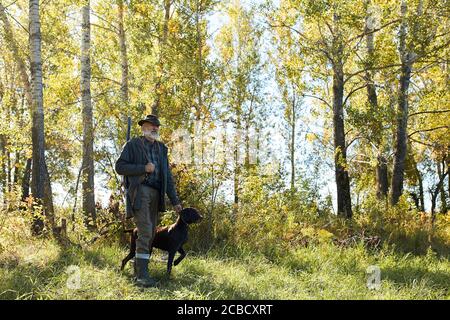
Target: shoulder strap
<point>160,160</point>
<point>144,150</point>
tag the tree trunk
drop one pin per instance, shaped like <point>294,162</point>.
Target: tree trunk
<point>88,134</point>
<point>448,169</point>
<point>421,193</point>
<point>3,182</point>
<point>434,195</point>
<point>248,119</point>
<point>440,171</point>
<point>407,58</point>
<point>159,92</point>
<point>40,178</point>
<point>237,166</point>
<point>401,135</point>
<point>340,160</point>
<point>18,157</point>
<point>292,144</point>
<point>7,154</point>
<point>200,77</point>
<point>16,175</point>
<point>48,198</point>
<point>124,88</point>
<point>123,57</point>
<point>382,177</point>
<point>371,91</point>
<point>26,180</point>
<point>2,154</point>
<point>381,166</point>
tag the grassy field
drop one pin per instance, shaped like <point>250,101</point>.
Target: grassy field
<point>40,269</point>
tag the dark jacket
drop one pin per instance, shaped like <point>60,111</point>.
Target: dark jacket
<point>131,164</point>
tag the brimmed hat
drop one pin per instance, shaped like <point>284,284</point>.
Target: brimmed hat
<point>151,119</point>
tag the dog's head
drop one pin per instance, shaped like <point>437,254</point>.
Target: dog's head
<point>190,215</point>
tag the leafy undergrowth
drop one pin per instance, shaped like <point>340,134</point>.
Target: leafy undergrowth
<point>40,269</point>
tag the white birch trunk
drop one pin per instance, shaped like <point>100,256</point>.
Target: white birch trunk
<point>88,135</point>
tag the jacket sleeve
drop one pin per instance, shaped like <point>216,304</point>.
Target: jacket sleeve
<point>171,191</point>
<point>125,164</point>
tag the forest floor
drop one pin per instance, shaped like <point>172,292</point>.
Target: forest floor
<point>41,269</point>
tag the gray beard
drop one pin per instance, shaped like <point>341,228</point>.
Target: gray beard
<point>152,135</point>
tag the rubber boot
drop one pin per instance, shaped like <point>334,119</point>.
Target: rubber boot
<point>134,268</point>
<point>143,279</point>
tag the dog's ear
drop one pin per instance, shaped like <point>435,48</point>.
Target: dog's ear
<point>190,215</point>
<point>195,216</point>
<point>184,215</point>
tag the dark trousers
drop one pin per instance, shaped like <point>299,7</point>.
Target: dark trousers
<point>146,220</point>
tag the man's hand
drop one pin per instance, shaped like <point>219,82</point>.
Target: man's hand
<point>178,208</point>
<point>149,167</point>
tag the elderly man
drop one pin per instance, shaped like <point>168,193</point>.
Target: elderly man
<point>148,178</point>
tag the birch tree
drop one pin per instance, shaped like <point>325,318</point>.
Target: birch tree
<point>88,171</point>
<point>40,178</point>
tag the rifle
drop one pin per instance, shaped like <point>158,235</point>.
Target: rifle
<point>128,139</point>
<point>124,182</point>
<point>128,128</point>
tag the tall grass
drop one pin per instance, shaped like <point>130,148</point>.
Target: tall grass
<point>321,271</point>
<point>271,251</point>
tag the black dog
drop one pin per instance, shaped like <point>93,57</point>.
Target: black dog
<point>170,239</point>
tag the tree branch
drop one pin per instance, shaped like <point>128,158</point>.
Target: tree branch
<point>108,79</point>
<point>427,130</point>
<point>12,17</point>
<point>105,28</point>
<point>433,111</point>
<point>373,31</point>
<point>103,19</point>
<point>319,98</point>
<point>422,143</point>
<point>351,75</point>
<point>352,92</point>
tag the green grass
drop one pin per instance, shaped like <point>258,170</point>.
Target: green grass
<point>37,269</point>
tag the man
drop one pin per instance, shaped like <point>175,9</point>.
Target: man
<point>148,178</point>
